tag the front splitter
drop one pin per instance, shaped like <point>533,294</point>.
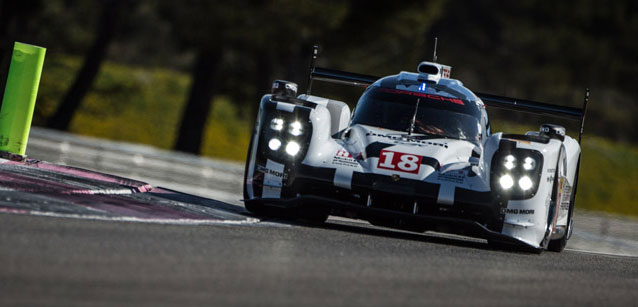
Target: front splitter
<point>444,224</point>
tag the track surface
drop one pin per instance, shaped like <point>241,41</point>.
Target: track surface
<point>68,261</point>
<point>81,262</point>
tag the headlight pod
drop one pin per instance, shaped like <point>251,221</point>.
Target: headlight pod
<point>295,129</point>
<point>283,133</point>
<point>516,172</point>
<point>285,136</point>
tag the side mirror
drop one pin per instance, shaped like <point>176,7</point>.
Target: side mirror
<point>284,88</point>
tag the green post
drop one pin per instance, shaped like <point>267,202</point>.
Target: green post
<point>19,97</point>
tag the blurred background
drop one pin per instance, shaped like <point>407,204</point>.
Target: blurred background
<point>188,75</point>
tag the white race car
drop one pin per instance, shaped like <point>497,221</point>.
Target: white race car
<point>417,154</point>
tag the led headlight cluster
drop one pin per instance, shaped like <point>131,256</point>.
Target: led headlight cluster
<point>294,129</point>
<point>517,172</point>
<point>524,182</point>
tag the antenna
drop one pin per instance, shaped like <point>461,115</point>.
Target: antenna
<point>582,119</point>
<point>436,39</point>
<point>413,121</point>
<point>315,53</point>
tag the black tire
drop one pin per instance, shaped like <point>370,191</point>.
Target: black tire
<point>254,207</point>
<point>558,245</point>
<point>312,215</point>
<point>250,149</point>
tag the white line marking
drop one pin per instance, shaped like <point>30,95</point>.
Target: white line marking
<point>247,221</point>
<point>601,253</point>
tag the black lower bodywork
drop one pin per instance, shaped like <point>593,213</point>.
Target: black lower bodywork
<point>390,202</point>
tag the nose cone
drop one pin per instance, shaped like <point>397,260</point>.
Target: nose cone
<point>396,153</point>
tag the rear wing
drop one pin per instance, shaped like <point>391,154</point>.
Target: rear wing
<point>520,105</point>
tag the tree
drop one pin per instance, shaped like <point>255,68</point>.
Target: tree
<point>191,127</point>
<point>548,52</point>
<point>96,54</point>
<point>11,15</point>
<point>199,26</point>
<point>262,31</point>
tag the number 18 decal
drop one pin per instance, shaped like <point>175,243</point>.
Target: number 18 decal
<point>399,161</point>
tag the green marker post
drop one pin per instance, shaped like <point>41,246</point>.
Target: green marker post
<point>19,97</point>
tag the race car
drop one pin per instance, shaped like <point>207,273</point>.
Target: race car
<point>417,153</point>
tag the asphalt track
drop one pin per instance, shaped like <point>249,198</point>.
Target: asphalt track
<point>51,257</point>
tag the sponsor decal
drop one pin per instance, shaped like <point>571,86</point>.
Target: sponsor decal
<point>429,96</point>
<point>567,193</point>
<point>399,161</point>
<point>519,141</point>
<point>265,170</point>
<point>343,153</point>
<point>408,140</point>
<point>446,71</point>
<point>517,211</point>
<point>343,157</point>
<point>559,198</point>
<point>453,176</point>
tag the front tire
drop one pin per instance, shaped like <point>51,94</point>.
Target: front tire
<point>558,245</point>
<point>254,207</point>
<point>312,215</point>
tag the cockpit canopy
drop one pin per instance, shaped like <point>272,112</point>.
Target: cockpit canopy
<point>425,109</point>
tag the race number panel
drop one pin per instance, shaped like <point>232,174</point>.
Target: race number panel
<point>399,161</point>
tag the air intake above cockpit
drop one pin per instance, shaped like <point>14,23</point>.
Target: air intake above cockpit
<point>433,71</point>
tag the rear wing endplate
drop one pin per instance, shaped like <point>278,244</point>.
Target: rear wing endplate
<point>520,105</point>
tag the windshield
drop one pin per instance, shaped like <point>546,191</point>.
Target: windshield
<point>444,116</point>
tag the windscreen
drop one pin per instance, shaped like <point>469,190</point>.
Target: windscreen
<point>436,115</point>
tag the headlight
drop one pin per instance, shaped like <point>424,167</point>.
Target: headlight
<point>292,148</point>
<point>525,183</point>
<point>529,163</point>
<point>274,144</point>
<point>295,129</point>
<point>277,124</point>
<point>509,162</point>
<point>506,181</point>
<point>516,172</point>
